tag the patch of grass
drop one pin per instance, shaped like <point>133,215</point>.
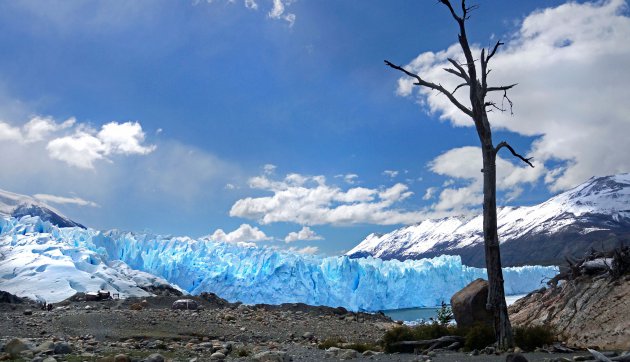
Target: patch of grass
<point>528,338</point>
<point>477,337</point>
<point>243,352</point>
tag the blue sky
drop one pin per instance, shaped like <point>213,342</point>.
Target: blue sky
<point>277,122</point>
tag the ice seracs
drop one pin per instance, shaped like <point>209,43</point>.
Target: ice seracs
<point>47,262</point>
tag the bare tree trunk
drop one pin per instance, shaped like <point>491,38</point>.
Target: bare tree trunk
<point>478,89</point>
<point>496,294</point>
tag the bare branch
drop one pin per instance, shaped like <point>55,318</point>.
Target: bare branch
<point>506,145</point>
<point>437,87</point>
<point>459,86</point>
<point>493,105</point>
<point>505,96</point>
<point>453,71</point>
<point>494,50</point>
<point>502,88</point>
<point>462,72</point>
<point>450,7</point>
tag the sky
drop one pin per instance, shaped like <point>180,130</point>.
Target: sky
<point>276,122</point>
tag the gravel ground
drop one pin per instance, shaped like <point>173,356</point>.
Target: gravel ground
<point>97,331</point>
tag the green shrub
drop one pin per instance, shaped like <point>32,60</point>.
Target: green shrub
<point>478,337</point>
<point>362,347</point>
<point>242,352</point>
<point>445,314</point>
<point>432,331</point>
<point>528,338</point>
<point>330,342</point>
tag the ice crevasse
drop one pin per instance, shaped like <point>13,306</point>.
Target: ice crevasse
<point>263,275</point>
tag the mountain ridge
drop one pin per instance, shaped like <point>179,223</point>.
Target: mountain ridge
<point>594,214</point>
<point>17,205</point>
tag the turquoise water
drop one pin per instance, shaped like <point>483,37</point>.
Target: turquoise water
<point>416,314</point>
<point>411,314</point>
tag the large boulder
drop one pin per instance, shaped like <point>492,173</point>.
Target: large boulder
<point>186,304</point>
<point>17,345</point>
<point>469,305</point>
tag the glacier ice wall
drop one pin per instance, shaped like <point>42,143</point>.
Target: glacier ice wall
<point>263,275</point>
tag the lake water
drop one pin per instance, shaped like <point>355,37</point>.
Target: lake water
<point>423,314</point>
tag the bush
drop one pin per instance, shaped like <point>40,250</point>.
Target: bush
<point>397,334</point>
<point>528,338</point>
<point>479,337</point>
<point>445,314</point>
<point>417,333</point>
<point>330,342</point>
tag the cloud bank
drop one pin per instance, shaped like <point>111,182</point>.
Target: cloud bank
<point>570,63</point>
<point>80,145</point>
<point>309,200</point>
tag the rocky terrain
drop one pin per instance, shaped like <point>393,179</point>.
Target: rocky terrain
<point>149,330</point>
<point>588,311</point>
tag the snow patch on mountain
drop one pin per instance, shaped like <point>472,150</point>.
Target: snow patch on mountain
<point>16,205</point>
<point>608,196</point>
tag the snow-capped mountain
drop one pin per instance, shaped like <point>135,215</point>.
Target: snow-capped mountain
<point>16,205</point>
<point>594,214</point>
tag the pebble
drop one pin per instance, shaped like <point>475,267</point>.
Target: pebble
<point>217,356</point>
<point>155,357</point>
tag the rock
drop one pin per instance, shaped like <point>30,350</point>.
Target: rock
<point>45,347</point>
<point>49,359</point>
<point>271,356</point>
<point>469,305</point>
<point>583,358</point>
<point>155,357</point>
<point>6,297</point>
<point>589,312</point>
<point>515,357</point>
<point>217,356</point>
<point>15,346</point>
<point>340,353</point>
<point>308,335</point>
<point>368,353</point>
<point>28,312</point>
<point>144,303</point>
<point>122,358</point>
<point>63,348</point>
<point>185,304</point>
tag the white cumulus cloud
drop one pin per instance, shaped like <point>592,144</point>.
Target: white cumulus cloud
<point>244,234</point>
<point>65,200</point>
<point>307,250</point>
<point>309,200</point>
<point>86,146</point>
<point>304,234</point>
<point>465,163</point>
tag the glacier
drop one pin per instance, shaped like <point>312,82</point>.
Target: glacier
<point>244,273</point>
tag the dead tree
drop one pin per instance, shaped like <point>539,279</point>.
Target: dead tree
<point>478,112</point>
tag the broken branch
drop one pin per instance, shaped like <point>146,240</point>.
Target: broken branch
<point>437,87</point>
<point>506,145</point>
